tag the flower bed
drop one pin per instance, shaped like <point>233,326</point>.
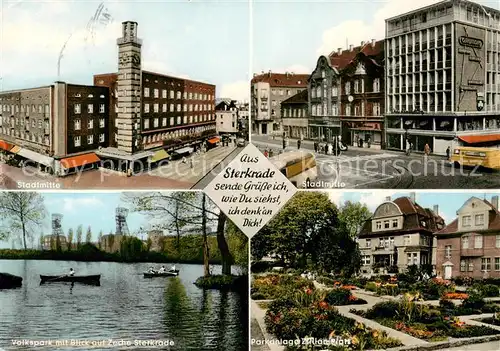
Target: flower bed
<point>473,304</point>
<point>309,315</point>
<point>342,297</point>
<point>421,321</point>
<point>455,296</point>
<point>495,320</point>
<point>273,286</point>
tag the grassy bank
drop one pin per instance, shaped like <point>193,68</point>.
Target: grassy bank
<point>224,282</point>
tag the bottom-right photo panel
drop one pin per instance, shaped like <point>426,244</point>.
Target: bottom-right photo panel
<point>378,270</point>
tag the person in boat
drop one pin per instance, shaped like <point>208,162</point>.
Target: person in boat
<point>151,270</point>
<point>71,272</point>
<point>162,269</point>
<point>172,269</point>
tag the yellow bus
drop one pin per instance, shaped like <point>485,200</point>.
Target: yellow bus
<point>476,156</point>
<point>298,166</point>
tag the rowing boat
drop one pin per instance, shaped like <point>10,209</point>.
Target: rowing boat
<point>165,274</point>
<point>9,281</point>
<point>86,279</point>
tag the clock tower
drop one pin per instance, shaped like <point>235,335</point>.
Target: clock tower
<point>128,115</point>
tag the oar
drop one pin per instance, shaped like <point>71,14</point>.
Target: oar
<point>65,275</point>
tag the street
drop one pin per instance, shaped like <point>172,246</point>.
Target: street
<point>363,168</point>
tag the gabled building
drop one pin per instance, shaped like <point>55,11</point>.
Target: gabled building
<point>226,113</point>
<point>399,234</point>
<point>470,245</point>
<point>346,95</point>
<point>294,112</point>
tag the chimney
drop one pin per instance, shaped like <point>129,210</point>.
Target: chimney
<point>387,198</point>
<point>269,73</point>
<point>494,202</point>
<point>362,43</point>
<point>436,209</point>
<point>339,51</point>
<point>373,42</point>
<point>413,197</point>
<point>351,47</point>
<point>255,75</point>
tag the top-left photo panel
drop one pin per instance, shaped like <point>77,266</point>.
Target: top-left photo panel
<point>122,94</point>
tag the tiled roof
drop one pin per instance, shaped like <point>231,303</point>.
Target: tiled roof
<point>343,59</point>
<point>299,98</point>
<point>493,221</point>
<point>282,79</point>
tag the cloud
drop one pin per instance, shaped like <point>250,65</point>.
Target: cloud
<point>356,31</point>
<point>239,90</point>
<point>336,196</point>
<point>374,198</point>
<point>73,204</point>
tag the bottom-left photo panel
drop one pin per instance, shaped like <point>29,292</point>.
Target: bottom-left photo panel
<point>121,271</point>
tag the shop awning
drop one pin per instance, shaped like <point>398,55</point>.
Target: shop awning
<point>214,140</point>
<point>476,139</point>
<point>15,149</point>
<point>80,160</point>
<point>159,155</point>
<point>184,150</point>
<point>5,145</point>
<point>35,156</point>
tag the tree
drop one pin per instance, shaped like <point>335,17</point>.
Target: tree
<point>79,234</point>
<point>70,239</point>
<point>99,239</point>
<point>21,213</point>
<point>131,248</point>
<point>111,242</point>
<point>353,215</point>
<point>88,237</point>
<point>185,209</point>
<point>58,243</point>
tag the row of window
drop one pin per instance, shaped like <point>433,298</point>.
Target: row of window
<point>180,120</point>
<point>478,242</point>
<point>388,242</point>
<point>34,108</point>
<point>90,108</point>
<point>359,88</point>
<point>156,137</point>
<point>294,112</point>
<point>23,122</point>
<point>478,220</point>
<point>467,265</point>
<point>90,123</point>
<point>77,140</point>
<point>183,107</point>
<point>40,138</point>
<point>177,95</point>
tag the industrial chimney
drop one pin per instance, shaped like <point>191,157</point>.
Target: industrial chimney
<point>494,202</point>
<point>413,197</point>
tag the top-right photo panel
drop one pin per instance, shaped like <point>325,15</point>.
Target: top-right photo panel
<point>378,94</point>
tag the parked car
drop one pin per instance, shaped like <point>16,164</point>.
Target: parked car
<point>240,142</point>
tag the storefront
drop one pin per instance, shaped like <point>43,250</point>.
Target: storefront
<point>78,163</point>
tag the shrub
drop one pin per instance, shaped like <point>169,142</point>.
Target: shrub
<point>386,309</point>
<point>273,286</point>
<point>338,297</point>
<point>326,281</point>
<point>223,282</point>
<point>471,331</point>
<point>488,290</point>
<point>490,308</point>
<point>261,266</point>
<point>474,301</point>
<point>446,304</point>
<point>371,286</point>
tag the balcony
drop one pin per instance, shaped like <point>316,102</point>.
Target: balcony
<point>471,252</point>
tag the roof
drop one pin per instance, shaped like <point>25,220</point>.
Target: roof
<point>299,98</point>
<point>282,79</point>
<point>342,60</point>
<point>413,216</point>
<point>493,221</point>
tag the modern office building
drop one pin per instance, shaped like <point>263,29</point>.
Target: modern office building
<point>442,76</point>
<point>269,90</point>
<point>399,234</point>
<point>470,245</point>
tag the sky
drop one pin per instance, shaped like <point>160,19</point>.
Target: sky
<point>289,36</point>
<point>449,202</point>
<point>201,40</point>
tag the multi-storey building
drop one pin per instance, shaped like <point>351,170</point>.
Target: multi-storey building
<point>399,234</point>
<point>152,112</point>
<point>442,76</point>
<point>226,117</point>
<point>269,90</point>
<point>346,95</point>
<point>470,245</point>
<point>294,112</point>
<point>55,127</point>
<point>52,242</point>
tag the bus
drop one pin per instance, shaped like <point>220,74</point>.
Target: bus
<point>476,156</point>
<point>298,166</point>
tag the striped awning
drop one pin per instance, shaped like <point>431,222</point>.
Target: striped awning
<point>214,140</point>
<point>80,160</point>
<point>15,149</point>
<point>5,145</point>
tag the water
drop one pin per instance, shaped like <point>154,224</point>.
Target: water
<point>126,307</point>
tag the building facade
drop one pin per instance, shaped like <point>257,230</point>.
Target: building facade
<point>268,91</point>
<point>153,112</point>
<point>346,95</point>
<point>442,77</point>
<point>399,234</point>
<point>294,112</point>
<point>470,245</point>
<point>56,127</point>
<point>226,119</point>
<point>52,242</point>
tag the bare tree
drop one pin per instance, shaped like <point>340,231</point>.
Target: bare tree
<point>21,214</point>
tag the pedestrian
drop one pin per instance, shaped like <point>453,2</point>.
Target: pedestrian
<point>284,144</point>
<point>266,154</point>
<point>298,144</point>
<point>184,160</point>
<point>315,145</point>
<point>408,147</point>
<point>191,162</point>
<point>448,152</point>
<point>427,151</point>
